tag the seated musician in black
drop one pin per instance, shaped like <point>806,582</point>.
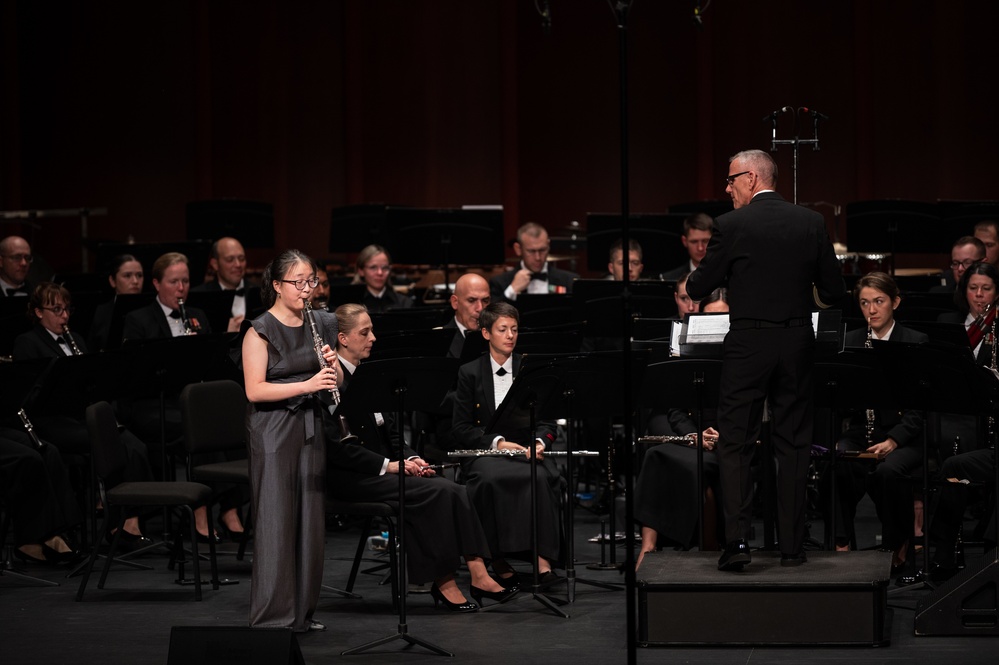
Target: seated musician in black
<point>164,318</point>
<point>499,486</point>
<point>374,270</point>
<point>666,492</point>
<point>38,497</point>
<point>51,306</point>
<point>893,437</point>
<point>441,525</point>
<point>126,278</point>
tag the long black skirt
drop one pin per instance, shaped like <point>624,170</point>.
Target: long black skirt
<point>441,524</point>
<point>666,492</point>
<point>500,489</point>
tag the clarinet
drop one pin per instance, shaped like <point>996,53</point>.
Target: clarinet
<point>991,426</point>
<point>69,340</point>
<point>30,429</point>
<point>870,412</point>
<point>189,328</point>
<point>317,344</point>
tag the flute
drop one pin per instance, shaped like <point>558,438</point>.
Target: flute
<point>519,453</point>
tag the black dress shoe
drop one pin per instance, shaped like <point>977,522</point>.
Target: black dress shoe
<point>512,582</point>
<point>735,556</point>
<point>438,596</point>
<point>129,542</point>
<point>203,540</point>
<point>56,556</point>
<point>943,571</point>
<point>790,560</point>
<point>499,596</point>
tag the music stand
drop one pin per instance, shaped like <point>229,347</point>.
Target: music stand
<point>384,386</point>
<point>123,304</point>
<point>661,231</point>
<point>68,385</point>
<point>411,318</point>
<point>431,236</point>
<point>414,343</point>
<point>13,322</point>
<point>217,306</point>
<point>927,377</point>
<point>589,383</point>
<point>853,381</point>
<point>690,384</point>
<point>163,366</point>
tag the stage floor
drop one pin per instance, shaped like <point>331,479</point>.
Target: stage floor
<point>129,622</point>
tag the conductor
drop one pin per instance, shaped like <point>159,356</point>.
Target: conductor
<point>778,264</point>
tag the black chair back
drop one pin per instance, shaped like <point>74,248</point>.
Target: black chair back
<point>214,416</point>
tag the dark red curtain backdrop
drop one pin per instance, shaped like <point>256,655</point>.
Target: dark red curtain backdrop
<point>142,107</point>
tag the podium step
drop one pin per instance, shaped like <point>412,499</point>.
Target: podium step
<point>836,598</point>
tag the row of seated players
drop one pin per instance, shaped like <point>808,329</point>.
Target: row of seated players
<point>667,484</point>
<point>374,265</point>
<point>374,271</point>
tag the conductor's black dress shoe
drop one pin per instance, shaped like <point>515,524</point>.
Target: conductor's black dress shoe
<point>793,559</point>
<point>735,556</point>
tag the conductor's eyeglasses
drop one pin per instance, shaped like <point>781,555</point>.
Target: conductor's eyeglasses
<point>731,179</point>
<point>300,283</point>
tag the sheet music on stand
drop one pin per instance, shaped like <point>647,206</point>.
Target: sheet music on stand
<point>701,335</point>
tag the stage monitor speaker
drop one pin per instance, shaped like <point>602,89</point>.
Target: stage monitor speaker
<point>216,645</point>
<point>967,604</point>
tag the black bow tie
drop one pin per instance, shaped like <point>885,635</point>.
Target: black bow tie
<point>543,276</point>
<point>17,289</point>
<point>241,292</point>
<point>62,340</point>
<point>501,371</point>
<point>175,314</point>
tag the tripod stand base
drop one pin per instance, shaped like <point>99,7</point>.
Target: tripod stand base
<point>604,566</point>
<point>401,635</point>
<point>340,592</point>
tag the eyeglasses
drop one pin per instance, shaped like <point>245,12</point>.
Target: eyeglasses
<point>17,258</point>
<point>313,282</point>
<point>967,263</point>
<point>731,179</point>
<point>58,310</point>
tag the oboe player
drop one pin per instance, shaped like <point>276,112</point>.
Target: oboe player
<point>500,488</point>
<point>287,446</point>
<point>441,524</point>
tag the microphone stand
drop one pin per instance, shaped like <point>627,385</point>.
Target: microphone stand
<point>795,142</point>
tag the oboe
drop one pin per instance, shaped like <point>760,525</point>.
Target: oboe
<point>69,340</point>
<point>317,344</point>
<point>870,412</point>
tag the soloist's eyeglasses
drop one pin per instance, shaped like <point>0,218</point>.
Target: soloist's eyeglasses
<point>300,283</point>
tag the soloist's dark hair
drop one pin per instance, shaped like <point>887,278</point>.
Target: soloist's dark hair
<point>277,269</point>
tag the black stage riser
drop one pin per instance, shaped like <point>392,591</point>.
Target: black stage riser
<point>833,599</point>
<point>217,645</point>
<point>965,605</point>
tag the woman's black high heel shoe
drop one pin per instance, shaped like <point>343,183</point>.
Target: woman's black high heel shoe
<point>512,582</point>
<point>233,536</point>
<point>498,596</point>
<point>467,606</point>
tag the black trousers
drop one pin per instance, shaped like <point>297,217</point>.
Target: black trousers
<point>761,363</point>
